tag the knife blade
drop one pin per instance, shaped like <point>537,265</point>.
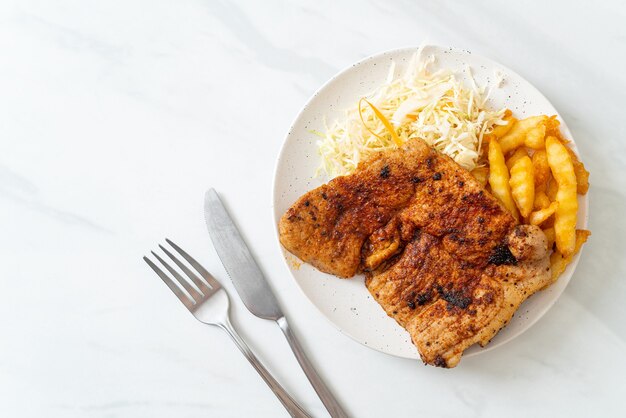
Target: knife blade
<point>239,263</point>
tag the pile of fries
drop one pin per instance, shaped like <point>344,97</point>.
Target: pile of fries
<point>537,177</point>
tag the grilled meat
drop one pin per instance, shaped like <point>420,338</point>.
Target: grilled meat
<point>328,226</point>
<point>435,246</point>
<point>448,306</point>
<point>414,186</point>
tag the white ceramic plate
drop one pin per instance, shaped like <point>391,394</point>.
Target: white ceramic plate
<point>347,303</point>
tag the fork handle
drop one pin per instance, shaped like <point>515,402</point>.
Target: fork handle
<point>329,401</point>
<point>288,402</point>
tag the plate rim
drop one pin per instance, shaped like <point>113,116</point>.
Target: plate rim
<point>276,217</point>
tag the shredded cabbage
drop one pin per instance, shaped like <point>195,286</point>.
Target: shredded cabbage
<point>434,106</point>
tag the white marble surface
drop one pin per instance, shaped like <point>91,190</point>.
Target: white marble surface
<point>117,115</point>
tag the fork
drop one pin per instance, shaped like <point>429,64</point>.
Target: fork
<point>208,301</point>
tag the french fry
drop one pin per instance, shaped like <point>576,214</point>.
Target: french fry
<point>552,127</point>
<point>535,126</point>
<point>582,175</point>
<point>499,178</point>
<point>549,232</point>
<point>499,131</point>
<point>558,262</point>
<point>553,188</point>
<point>540,216</point>
<point>562,169</point>
<point>542,200</point>
<point>548,223</point>
<point>522,185</point>
<point>481,174</point>
<point>536,136</point>
<point>519,153</point>
<point>541,168</point>
<point>556,172</point>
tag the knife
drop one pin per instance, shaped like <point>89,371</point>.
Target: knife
<point>254,290</point>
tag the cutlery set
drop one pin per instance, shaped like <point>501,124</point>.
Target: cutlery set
<point>209,303</point>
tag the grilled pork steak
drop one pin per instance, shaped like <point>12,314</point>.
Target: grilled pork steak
<point>441,255</point>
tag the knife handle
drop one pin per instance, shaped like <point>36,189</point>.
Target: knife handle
<point>329,401</point>
<point>288,402</point>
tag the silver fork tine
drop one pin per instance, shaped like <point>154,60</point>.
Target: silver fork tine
<point>195,295</point>
<point>179,293</point>
<point>197,281</point>
<point>207,276</point>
